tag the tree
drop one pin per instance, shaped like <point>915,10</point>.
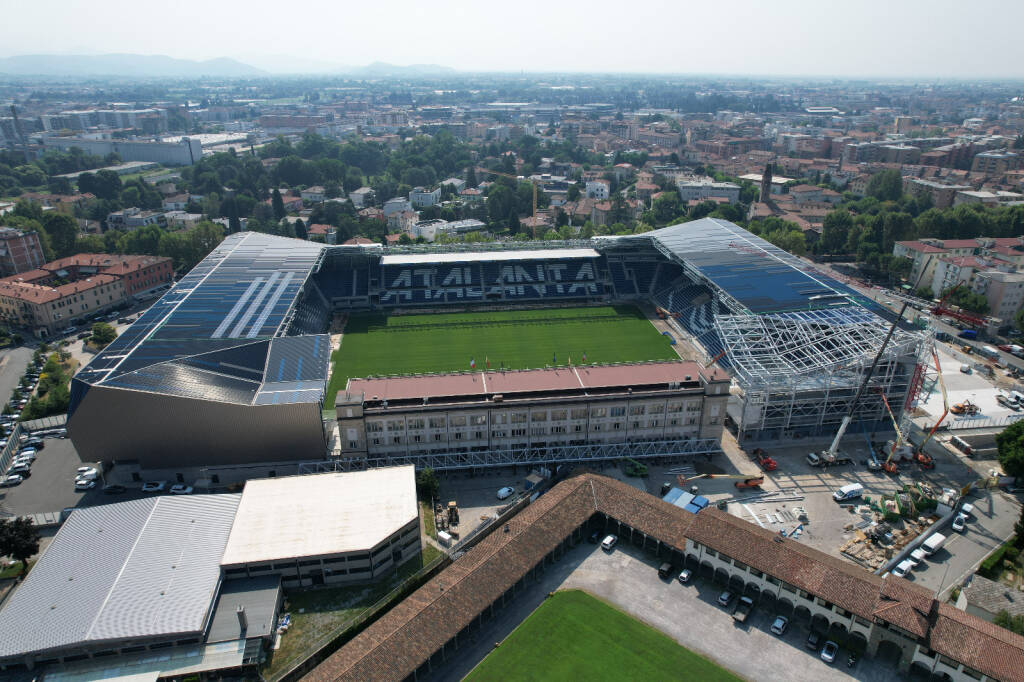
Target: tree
<point>19,539</point>
<point>1010,443</point>
<point>62,230</point>
<point>514,226</point>
<point>471,177</point>
<point>427,486</point>
<point>1012,623</point>
<point>277,203</point>
<point>1018,529</point>
<point>300,230</point>
<point>102,334</point>
<point>835,230</point>
<point>886,185</point>
<point>105,184</point>
<point>574,193</point>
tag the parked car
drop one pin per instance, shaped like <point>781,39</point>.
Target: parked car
<point>725,598</point>
<point>87,471</point>
<point>153,486</point>
<point>506,492</point>
<point>10,480</point>
<point>608,542</point>
<point>665,570</point>
<point>685,575</point>
<point>181,489</point>
<point>27,455</point>
<point>916,557</point>
<point>743,609</point>
<point>113,489</point>
<point>960,523</point>
<point>813,640</point>
<point>829,651</point>
<point>21,468</point>
<point>967,509</point>
<point>779,625</point>
<point>84,483</point>
<point>595,537</point>
<point>903,569</point>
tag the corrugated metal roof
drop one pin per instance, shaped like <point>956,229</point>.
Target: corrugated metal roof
<point>143,568</point>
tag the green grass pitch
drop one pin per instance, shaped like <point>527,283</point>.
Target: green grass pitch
<point>515,339</point>
<point>573,636</point>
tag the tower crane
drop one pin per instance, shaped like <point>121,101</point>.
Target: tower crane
<point>533,183</point>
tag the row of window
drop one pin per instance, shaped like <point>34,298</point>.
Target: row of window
<point>533,431</point>
<point>456,421</point>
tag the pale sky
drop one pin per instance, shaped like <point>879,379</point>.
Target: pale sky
<point>875,38</point>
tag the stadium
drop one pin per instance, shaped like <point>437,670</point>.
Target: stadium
<point>232,366</point>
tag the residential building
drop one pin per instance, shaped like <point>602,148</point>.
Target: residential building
<point>313,195</point>
<point>985,598</point>
<point>38,300</point>
<point>422,198</point>
<point>942,195</point>
<point>361,198</point>
<point>995,162</point>
<point>19,251</point>
<point>182,220</point>
<point>131,218</point>
<point>706,188</point>
<point>986,197</point>
<point>1004,292</point>
<point>318,232</point>
<point>396,205</point>
<point>597,189</point>
<point>177,202</point>
<point>953,270</point>
<point>403,221</point>
<point>458,184</point>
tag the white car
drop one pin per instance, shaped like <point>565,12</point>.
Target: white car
<point>10,479</point>
<point>780,625</point>
<point>181,489</point>
<point>608,542</point>
<point>685,576</point>
<point>960,523</point>
<point>81,471</point>
<point>967,509</point>
<point>506,492</point>
<point>903,569</point>
<point>917,556</point>
<point>85,483</point>
<point>153,486</point>
<point>25,457</point>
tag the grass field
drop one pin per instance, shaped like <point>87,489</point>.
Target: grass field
<point>515,339</point>
<point>573,636</point>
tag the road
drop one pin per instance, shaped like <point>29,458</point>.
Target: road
<point>13,362</point>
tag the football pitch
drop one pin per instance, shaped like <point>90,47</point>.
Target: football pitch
<point>378,345</point>
<point>573,636</point>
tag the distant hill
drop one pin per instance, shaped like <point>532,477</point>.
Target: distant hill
<point>138,65</point>
<point>384,69</point>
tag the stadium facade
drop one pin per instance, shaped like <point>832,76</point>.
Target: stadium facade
<point>231,366</point>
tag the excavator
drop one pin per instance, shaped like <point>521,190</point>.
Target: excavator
<point>748,480</point>
<point>965,408</point>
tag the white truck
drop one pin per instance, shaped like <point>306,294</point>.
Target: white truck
<point>933,543</point>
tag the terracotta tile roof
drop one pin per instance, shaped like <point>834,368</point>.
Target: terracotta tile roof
<point>978,644</point>
<point>403,639</point>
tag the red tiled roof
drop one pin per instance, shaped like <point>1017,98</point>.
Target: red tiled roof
<point>404,638</point>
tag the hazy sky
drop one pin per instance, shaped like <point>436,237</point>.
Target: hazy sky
<point>786,37</point>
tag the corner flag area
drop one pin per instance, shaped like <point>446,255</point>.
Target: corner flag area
<point>378,345</point>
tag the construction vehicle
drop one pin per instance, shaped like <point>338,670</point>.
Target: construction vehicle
<point>956,312</point>
<point>889,466</point>
<point>518,178</point>
<point>453,513</point>
<point>748,480</point>
<point>714,360</point>
<point>829,456</point>
<point>763,460</point>
<point>966,408</point>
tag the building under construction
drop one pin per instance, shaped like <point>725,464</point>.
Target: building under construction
<point>798,343</point>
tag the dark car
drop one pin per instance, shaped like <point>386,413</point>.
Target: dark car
<point>665,570</point>
<point>595,537</point>
<point>113,489</point>
<point>813,640</point>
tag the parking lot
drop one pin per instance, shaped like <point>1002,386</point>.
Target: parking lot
<point>628,579</point>
<point>51,487</point>
<point>477,496</point>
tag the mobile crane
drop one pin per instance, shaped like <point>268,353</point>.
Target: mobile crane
<point>748,480</point>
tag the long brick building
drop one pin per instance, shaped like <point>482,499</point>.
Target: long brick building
<point>60,294</point>
<point>890,617</point>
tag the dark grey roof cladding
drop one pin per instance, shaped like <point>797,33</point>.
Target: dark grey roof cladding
<point>259,596</point>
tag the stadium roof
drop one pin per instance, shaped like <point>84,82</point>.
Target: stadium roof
<point>757,274</point>
<point>138,569</point>
<point>473,257</point>
<point>320,514</point>
<point>217,334</point>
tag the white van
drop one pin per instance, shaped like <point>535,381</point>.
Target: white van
<point>848,492</point>
<point>902,569</point>
<point>933,543</point>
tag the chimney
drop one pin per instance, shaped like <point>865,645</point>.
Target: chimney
<point>243,621</point>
